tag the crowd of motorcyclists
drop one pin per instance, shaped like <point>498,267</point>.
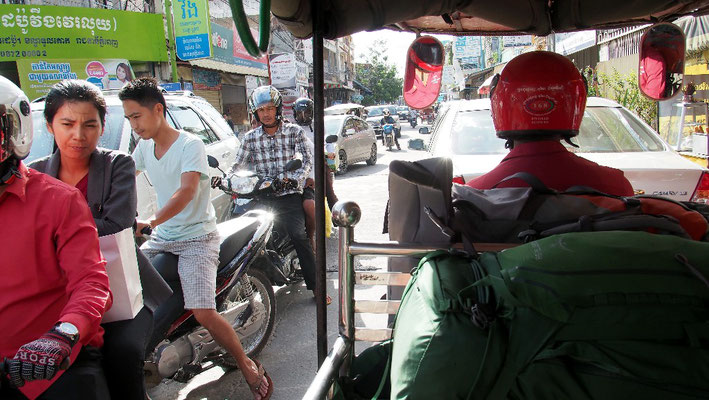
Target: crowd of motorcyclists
<point>55,288</point>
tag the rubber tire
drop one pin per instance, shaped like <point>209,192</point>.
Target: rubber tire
<point>343,163</point>
<point>372,155</point>
<point>259,278</point>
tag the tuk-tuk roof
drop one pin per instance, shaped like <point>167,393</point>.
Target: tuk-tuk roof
<point>499,17</point>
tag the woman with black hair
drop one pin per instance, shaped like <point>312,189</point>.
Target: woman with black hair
<point>75,113</point>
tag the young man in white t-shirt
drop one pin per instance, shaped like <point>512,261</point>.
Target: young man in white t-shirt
<point>185,223</point>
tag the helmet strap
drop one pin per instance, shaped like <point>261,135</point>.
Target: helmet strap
<point>567,139</point>
<point>9,170</point>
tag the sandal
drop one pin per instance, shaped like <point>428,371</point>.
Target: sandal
<point>261,374</point>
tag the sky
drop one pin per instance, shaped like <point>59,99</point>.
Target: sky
<point>397,42</point>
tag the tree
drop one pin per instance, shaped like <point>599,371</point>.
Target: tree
<point>379,76</point>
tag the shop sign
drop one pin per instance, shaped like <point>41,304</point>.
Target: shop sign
<point>227,48</point>
<point>38,76</point>
<point>52,32</point>
<point>568,43</point>
<point>191,21</point>
<point>283,70</point>
<point>206,79</point>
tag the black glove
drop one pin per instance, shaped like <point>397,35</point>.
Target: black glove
<point>216,182</point>
<point>40,359</point>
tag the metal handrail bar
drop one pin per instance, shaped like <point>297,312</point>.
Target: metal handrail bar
<point>328,370</point>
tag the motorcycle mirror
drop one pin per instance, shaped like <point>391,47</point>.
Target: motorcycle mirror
<point>293,165</point>
<point>331,139</point>
<point>424,67</point>
<point>423,130</point>
<point>661,67</point>
<point>212,162</point>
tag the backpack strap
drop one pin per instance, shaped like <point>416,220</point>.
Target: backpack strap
<point>535,183</point>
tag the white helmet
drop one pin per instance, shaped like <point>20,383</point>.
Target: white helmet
<point>15,122</point>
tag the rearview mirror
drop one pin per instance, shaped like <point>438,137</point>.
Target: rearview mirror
<point>423,130</point>
<point>424,67</point>
<point>331,139</point>
<point>293,165</point>
<point>661,67</point>
<point>212,162</point>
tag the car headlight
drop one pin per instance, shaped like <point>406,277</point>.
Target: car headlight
<point>243,184</point>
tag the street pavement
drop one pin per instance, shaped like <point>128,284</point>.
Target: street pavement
<point>290,358</point>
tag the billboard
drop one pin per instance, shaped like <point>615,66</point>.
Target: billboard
<point>191,22</point>
<point>227,48</point>
<point>38,76</point>
<point>52,32</point>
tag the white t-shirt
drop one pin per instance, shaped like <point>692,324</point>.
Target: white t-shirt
<point>186,154</point>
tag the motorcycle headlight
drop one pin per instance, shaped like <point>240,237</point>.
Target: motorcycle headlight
<point>243,184</point>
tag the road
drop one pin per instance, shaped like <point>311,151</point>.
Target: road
<point>291,357</point>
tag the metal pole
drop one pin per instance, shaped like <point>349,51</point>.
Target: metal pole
<point>319,125</point>
<point>346,292</point>
<point>171,38</point>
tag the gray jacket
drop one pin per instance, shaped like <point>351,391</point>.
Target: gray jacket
<point>113,202</point>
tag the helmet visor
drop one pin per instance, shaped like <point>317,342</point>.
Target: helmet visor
<point>261,98</point>
<point>10,133</point>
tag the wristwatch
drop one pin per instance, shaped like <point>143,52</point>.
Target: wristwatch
<point>69,330</point>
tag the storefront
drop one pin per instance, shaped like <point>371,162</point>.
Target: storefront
<point>42,45</point>
<point>222,79</point>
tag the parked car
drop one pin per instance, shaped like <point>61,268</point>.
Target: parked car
<point>347,108</point>
<point>610,135</point>
<point>375,115</point>
<point>185,111</point>
<point>355,140</point>
<point>403,113</point>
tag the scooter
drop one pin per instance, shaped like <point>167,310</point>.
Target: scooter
<point>413,120</point>
<point>388,134</point>
<point>180,348</point>
<point>246,189</point>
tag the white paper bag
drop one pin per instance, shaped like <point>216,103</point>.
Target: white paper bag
<point>123,277</point>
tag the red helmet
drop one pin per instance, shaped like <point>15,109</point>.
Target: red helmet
<point>538,93</point>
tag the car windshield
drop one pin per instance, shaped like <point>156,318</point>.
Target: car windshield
<point>403,108</point>
<point>43,141</point>
<point>375,112</point>
<point>332,126</point>
<point>603,130</point>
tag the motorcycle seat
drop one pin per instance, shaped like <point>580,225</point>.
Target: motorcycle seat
<point>235,234</point>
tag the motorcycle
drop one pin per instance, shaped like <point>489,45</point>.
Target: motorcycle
<point>388,134</point>
<point>180,347</point>
<point>413,120</point>
<point>246,189</point>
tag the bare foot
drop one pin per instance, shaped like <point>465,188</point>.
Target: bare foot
<point>252,376</point>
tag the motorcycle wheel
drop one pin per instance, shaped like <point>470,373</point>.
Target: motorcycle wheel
<point>263,292</point>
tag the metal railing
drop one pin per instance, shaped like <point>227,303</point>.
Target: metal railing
<point>345,215</point>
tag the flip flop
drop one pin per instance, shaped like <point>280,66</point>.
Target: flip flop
<point>261,374</point>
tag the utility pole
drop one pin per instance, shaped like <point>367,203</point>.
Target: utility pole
<point>171,40</point>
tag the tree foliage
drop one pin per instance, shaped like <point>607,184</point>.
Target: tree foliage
<point>379,76</point>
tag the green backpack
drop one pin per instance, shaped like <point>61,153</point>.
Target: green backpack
<point>597,315</point>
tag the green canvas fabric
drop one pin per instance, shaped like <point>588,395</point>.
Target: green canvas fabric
<point>598,315</point>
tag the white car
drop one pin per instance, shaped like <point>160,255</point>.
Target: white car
<point>355,140</point>
<point>184,111</point>
<point>610,135</point>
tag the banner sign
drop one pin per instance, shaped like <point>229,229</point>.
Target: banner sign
<point>206,80</point>
<point>283,70</point>
<point>228,49</point>
<point>52,32</point>
<point>38,76</point>
<point>517,41</point>
<point>191,21</point>
<point>243,57</point>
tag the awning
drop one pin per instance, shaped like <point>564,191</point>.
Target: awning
<point>485,87</point>
<point>361,87</point>
<point>336,86</point>
<point>234,69</point>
